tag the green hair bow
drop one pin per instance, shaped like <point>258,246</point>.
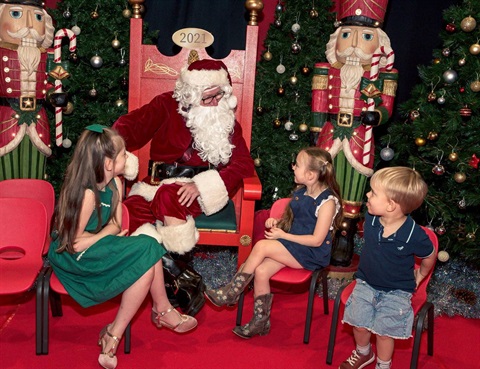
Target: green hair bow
<point>96,128</point>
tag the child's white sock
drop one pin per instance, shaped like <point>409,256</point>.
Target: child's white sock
<point>383,364</point>
<point>363,350</point>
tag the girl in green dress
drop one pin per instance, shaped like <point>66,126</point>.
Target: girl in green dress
<point>89,253</point>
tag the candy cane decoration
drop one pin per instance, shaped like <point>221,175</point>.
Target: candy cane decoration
<point>57,58</point>
<point>374,72</point>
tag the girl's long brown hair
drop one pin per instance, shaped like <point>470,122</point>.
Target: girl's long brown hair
<point>85,170</point>
<point>320,162</point>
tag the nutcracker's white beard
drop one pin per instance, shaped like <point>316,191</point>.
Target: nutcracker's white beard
<point>211,127</point>
<point>352,71</point>
<point>28,56</point>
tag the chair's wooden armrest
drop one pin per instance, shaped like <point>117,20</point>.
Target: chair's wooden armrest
<point>252,188</point>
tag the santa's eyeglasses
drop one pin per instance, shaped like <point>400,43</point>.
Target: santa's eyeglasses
<point>208,100</point>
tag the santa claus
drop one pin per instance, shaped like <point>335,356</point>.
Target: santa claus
<point>198,155</point>
<point>352,93</point>
<point>26,32</point>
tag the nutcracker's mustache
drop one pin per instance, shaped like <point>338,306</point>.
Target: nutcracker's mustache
<point>348,52</point>
<point>24,32</point>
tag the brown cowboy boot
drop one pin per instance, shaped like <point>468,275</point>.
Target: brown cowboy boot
<point>230,293</point>
<point>260,322</point>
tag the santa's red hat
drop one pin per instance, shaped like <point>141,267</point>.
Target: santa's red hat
<point>206,72</point>
<point>369,13</point>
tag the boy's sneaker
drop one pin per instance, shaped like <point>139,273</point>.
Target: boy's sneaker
<point>356,361</point>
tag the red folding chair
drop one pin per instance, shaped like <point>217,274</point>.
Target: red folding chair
<point>52,291</point>
<point>421,308</point>
<point>289,275</point>
<point>37,189</point>
<point>23,229</point>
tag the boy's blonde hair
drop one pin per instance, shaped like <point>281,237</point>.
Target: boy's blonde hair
<point>403,185</point>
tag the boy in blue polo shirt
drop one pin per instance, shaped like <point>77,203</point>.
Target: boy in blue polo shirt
<point>380,303</point>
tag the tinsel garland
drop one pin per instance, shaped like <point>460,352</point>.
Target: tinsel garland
<point>454,288</point>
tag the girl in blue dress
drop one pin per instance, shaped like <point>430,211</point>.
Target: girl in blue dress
<point>301,239</point>
<point>89,253</point>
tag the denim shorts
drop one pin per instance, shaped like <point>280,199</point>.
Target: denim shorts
<point>383,313</point>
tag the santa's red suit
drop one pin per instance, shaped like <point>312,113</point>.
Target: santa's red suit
<point>22,115</point>
<point>171,142</point>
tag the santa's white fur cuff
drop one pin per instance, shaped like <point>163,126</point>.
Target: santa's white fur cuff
<point>213,193</point>
<point>179,238</point>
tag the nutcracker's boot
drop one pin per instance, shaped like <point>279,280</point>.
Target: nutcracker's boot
<point>230,293</point>
<point>343,245</point>
<point>260,322</point>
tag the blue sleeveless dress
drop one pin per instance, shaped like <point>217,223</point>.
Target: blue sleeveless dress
<point>304,209</point>
<point>109,266</point>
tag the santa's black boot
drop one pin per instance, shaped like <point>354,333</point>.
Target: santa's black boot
<point>343,245</point>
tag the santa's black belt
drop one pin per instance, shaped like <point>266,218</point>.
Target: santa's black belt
<point>159,170</point>
<point>344,119</point>
<point>26,103</point>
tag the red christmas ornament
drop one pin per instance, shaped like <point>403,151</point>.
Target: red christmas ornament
<point>473,162</point>
<point>450,27</point>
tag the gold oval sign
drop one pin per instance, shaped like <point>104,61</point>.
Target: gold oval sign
<point>192,38</point>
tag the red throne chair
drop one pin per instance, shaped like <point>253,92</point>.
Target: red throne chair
<point>151,73</point>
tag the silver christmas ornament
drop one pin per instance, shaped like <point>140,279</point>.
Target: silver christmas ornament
<point>280,68</point>
<point>441,100</point>
<point>295,27</point>
<point>293,137</point>
<point>122,62</point>
<point>387,153</point>
<point>278,23</point>
<point>96,61</point>
<point>67,14</point>
<point>288,126</point>
<point>67,143</point>
<point>450,76</point>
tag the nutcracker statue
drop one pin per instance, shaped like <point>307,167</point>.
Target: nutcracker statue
<point>351,94</point>
<point>26,32</point>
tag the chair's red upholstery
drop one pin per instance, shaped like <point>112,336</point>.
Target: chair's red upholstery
<point>37,189</point>
<point>420,305</point>
<point>152,73</point>
<point>23,230</point>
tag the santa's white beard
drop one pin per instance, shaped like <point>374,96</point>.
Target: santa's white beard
<point>352,72</point>
<point>211,127</point>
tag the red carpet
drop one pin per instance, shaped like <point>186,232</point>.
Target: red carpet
<point>212,345</point>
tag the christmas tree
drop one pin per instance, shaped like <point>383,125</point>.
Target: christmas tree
<point>439,135</point>
<point>98,83</point>
<point>296,40</point>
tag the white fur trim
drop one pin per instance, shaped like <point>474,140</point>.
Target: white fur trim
<point>179,238</point>
<point>205,77</point>
<point>213,193</point>
<point>131,167</point>
<point>13,144</point>
<point>37,141</point>
<point>232,102</point>
<point>355,164</point>
<point>148,230</point>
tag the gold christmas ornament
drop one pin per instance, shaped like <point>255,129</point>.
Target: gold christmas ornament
<point>436,60</point>
<point>127,13</point>
<point>468,24</point>
<point>470,236</point>
<point>443,256</point>
<point>119,103</point>
<point>293,80</point>
<point>475,86</point>
<point>474,49</point>
<point>420,141</point>
<point>453,156</point>
<point>94,15</point>
<point>267,55</point>
<point>116,43</point>
<point>459,177</point>
<point>68,109</point>
<point>277,123</point>
<point>303,127</point>
<point>257,162</point>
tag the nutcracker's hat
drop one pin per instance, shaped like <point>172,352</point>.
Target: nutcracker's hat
<point>369,13</point>
<point>37,3</point>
